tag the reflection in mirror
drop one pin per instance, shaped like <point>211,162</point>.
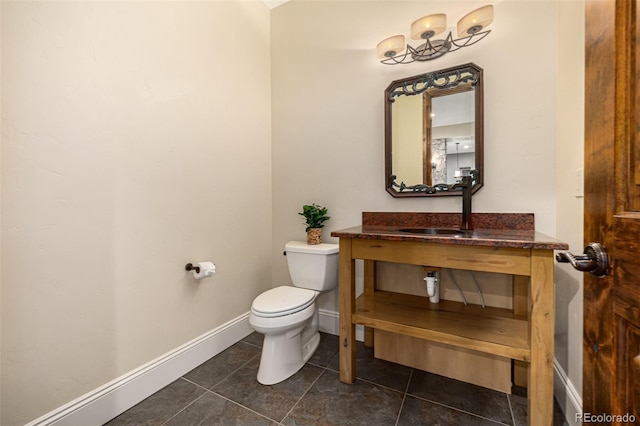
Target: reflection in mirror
<point>434,131</point>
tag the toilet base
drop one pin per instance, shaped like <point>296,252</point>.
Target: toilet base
<point>284,354</point>
<point>310,347</point>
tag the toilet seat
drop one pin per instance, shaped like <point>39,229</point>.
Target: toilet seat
<point>283,300</point>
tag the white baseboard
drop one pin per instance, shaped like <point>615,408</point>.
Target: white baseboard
<point>329,322</point>
<point>566,394</point>
<point>108,401</point>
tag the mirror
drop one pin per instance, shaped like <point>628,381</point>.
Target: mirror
<point>434,131</point>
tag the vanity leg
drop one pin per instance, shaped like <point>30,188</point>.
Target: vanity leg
<point>347,302</point>
<point>369,287</point>
<point>540,391</point>
<point>520,307</point>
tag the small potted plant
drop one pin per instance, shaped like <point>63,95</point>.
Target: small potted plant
<point>315,216</point>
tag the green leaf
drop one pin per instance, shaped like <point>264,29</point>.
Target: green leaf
<point>315,215</point>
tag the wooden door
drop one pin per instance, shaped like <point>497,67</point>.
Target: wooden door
<point>611,347</point>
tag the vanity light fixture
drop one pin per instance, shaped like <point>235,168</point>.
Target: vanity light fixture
<point>470,31</point>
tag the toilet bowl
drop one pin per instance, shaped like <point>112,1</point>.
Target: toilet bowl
<point>285,349</point>
<point>288,316</point>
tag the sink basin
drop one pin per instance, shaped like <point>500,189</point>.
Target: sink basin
<point>433,231</point>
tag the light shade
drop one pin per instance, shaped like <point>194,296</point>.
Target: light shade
<point>428,26</point>
<point>390,47</point>
<point>475,21</point>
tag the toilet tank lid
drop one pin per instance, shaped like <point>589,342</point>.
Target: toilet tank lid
<point>303,247</point>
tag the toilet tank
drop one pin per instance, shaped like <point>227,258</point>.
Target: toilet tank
<point>312,266</point>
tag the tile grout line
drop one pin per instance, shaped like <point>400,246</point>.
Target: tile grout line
<point>251,344</point>
<point>374,384</point>
<point>210,391</point>
<point>227,376</point>
<point>404,397</point>
<point>194,383</point>
<point>185,407</point>
<point>238,369</point>
<point>513,417</point>
<point>406,393</point>
<point>324,370</point>
<point>240,405</point>
<point>458,409</point>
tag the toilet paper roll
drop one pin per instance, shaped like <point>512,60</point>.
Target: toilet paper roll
<point>207,269</point>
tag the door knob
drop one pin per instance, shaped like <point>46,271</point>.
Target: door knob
<point>594,259</point>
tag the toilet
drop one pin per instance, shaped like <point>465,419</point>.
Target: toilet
<point>288,316</point>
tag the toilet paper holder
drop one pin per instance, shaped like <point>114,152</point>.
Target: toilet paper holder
<point>192,267</point>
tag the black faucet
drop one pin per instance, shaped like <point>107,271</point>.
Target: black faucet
<point>466,184</point>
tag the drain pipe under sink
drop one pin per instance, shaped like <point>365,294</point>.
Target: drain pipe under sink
<point>433,286</point>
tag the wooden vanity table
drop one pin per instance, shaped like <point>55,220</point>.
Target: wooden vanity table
<point>501,243</point>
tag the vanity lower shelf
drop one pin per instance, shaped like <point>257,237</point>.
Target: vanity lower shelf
<point>491,330</point>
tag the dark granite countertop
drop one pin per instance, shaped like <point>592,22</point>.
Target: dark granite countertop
<point>515,230</point>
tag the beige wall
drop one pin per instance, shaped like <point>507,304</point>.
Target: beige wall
<point>570,210</point>
<point>135,139</point>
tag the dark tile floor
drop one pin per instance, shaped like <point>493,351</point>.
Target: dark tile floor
<point>224,391</point>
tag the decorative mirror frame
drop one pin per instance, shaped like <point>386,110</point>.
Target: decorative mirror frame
<point>446,79</point>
